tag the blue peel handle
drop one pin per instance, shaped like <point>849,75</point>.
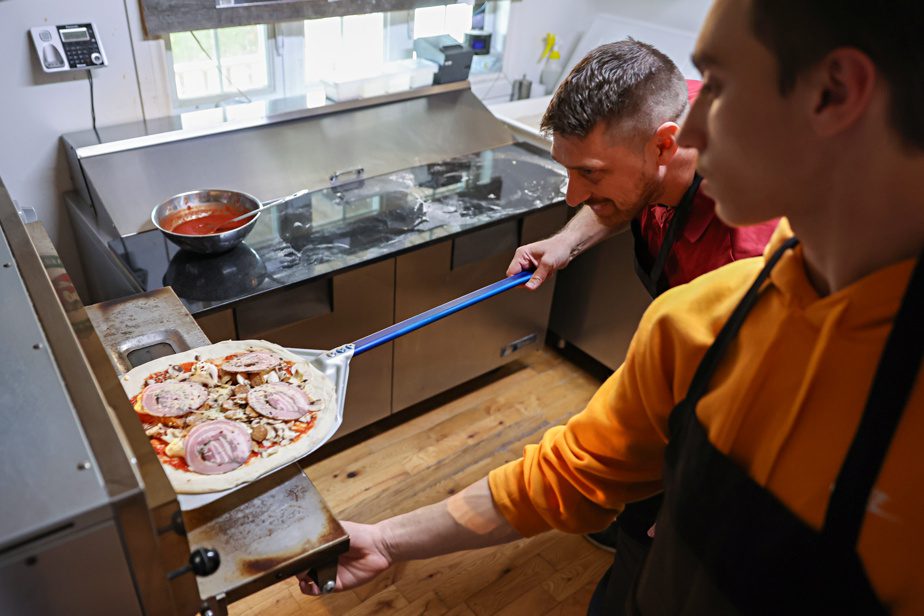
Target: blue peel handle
<point>435,314</point>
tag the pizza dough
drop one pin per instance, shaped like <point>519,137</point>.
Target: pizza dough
<point>258,409</point>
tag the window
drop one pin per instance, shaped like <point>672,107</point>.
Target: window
<point>210,68</point>
<point>216,63</point>
<point>348,47</point>
<point>452,19</point>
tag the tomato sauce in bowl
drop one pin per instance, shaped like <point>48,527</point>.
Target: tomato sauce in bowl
<point>204,219</point>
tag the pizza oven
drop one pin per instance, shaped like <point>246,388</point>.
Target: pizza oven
<point>89,518</point>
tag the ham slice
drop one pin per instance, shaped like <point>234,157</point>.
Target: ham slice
<point>279,401</point>
<point>216,447</point>
<point>172,399</point>
<point>255,361</point>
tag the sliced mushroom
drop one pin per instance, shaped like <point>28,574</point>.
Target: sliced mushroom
<point>258,433</point>
<point>206,373</point>
<point>195,419</point>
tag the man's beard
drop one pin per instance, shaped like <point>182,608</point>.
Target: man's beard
<point>649,191</point>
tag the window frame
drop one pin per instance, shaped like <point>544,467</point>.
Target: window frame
<point>273,70</point>
<point>285,60</point>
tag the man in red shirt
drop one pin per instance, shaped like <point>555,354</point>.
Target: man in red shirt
<point>614,124</point>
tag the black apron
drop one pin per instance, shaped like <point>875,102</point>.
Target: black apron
<point>651,272</point>
<point>631,527</point>
<point>725,545</point>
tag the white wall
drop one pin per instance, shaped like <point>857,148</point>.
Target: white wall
<point>530,20</point>
<point>37,108</point>
<point>681,14</point>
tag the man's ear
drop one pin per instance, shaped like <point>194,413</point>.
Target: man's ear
<point>665,142</point>
<point>842,88</point>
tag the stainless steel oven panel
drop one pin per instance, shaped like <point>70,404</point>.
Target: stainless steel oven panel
<point>50,475</point>
<point>144,327</point>
<point>478,339</point>
<point>109,278</point>
<point>140,499</point>
<point>79,572</point>
<point>363,302</point>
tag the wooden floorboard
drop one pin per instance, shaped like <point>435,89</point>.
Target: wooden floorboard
<point>398,465</point>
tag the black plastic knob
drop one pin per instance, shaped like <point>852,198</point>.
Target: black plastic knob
<point>176,523</point>
<point>202,562</point>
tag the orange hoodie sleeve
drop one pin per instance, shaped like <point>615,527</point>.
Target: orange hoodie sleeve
<point>579,476</point>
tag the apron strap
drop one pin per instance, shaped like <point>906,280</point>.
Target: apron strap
<point>728,332</point>
<point>678,222</point>
<point>895,378</point>
<point>653,278</point>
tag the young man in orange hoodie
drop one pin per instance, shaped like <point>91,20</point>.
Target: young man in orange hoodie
<point>614,124</point>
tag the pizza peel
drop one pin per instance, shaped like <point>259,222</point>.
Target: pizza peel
<point>335,363</point>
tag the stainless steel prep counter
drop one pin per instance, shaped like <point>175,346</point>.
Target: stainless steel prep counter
<point>348,258</point>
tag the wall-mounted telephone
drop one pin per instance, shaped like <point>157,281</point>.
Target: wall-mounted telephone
<point>68,48</point>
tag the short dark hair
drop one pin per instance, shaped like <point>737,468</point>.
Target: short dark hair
<point>799,34</point>
<point>627,84</point>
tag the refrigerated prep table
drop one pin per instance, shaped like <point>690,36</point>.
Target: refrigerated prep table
<point>414,199</point>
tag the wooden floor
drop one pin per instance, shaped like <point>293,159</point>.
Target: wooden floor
<point>433,455</point>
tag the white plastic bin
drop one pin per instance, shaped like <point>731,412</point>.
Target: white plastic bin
<point>350,87</point>
<point>395,77</point>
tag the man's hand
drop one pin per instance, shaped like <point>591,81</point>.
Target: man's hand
<point>545,256</point>
<point>367,557</point>
<point>584,230</point>
<point>467,520</point>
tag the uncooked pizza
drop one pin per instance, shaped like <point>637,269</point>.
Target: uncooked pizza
<point>225,414</point>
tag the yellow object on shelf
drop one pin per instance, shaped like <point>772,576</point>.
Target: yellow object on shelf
<point>550,73</point>
<point>550,52</point>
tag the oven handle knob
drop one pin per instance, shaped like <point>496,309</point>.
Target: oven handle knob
<point>202,562</point>
<point>176,524</point>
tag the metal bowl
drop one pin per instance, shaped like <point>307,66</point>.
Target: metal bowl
<point>196,201</point>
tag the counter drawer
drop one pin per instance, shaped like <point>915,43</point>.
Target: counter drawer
<point>599,301</point>
<point>334,311</point>
<point>478,339</point>
<point>218,326</point>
